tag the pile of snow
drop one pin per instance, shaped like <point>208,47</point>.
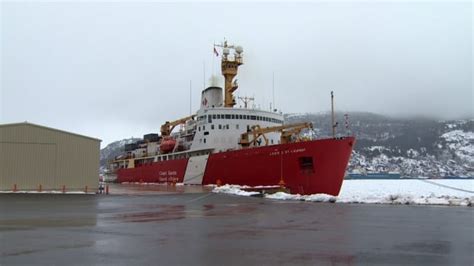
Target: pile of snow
<point>423,192</point>
<point>234,189</point>
<point>314,197</point>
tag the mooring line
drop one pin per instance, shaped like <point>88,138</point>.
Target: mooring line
<point>445,186</point>
<point>201,197</point>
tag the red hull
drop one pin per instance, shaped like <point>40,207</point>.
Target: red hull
<point>160,172</point>
<point>305,167</point>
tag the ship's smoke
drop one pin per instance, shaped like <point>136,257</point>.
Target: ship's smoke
<point>215,81</point>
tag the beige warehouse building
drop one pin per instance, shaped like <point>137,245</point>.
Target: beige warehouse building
<point>34,157</point>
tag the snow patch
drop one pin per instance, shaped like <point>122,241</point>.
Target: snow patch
<point>418,192</point>
<point>235,190</point>
<point>313,197</point>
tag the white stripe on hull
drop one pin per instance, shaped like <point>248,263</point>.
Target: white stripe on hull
<point>195,170</point>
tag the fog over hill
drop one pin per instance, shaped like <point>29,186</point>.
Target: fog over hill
<point>411,146</point>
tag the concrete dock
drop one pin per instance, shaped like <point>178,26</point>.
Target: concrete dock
<point>189,226</point>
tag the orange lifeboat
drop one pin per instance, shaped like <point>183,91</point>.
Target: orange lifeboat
<point>167,145</point>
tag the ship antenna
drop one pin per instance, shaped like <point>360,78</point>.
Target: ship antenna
<point>273,90</point>
<point>190,96</point>
<point>203,75</point>
<point>334,124</point>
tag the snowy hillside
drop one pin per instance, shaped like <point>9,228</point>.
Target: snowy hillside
<point>113,149</point>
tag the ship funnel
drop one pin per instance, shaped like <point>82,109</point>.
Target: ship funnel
<point>212,97</point>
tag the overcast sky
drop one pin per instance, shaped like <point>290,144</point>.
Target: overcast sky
<point>116,70</point>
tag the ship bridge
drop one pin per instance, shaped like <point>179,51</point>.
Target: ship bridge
<point>221,127</point>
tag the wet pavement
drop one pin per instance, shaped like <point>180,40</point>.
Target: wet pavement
<point>189,226</point>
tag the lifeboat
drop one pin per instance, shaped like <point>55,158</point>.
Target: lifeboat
<point>167,145</point>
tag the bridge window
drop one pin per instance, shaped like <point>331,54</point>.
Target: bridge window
<point>227,116</point>
<point>212,126</point>
<point>252,117</point>
<point>214,117</point>
<point>220,126</point>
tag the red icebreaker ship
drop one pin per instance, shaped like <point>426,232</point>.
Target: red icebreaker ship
<point>221,144</point>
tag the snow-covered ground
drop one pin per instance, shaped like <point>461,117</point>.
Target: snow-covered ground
<point>426,192</point>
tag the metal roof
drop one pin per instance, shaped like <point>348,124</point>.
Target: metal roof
<point>49,128</point>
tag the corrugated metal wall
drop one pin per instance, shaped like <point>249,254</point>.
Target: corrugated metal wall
<point>32,155</point>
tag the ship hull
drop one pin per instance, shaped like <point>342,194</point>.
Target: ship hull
<point>307,167</point>
<point>171,171</point>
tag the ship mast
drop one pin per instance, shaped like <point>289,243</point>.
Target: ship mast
<point>229,68</point>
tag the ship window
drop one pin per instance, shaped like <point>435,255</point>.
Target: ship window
<point>227,116</point>
<point>218,116</point>
<point>203,128</point>
<point>220,126</point>
<point>253,117</point>
<point>212,126</point>
<point>204,140</point>
<point>213,116</point>
<point>199,128</point>
<point>237,126</point>
<point>271,141</point>
<point>306,165</point>
<point>209,119</point>
<point>240,116</point>
<point>232,117</point>
<point>206,133</point>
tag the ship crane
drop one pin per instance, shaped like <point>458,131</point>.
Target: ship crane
<point>286,131</point>
<point>168,127</point>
